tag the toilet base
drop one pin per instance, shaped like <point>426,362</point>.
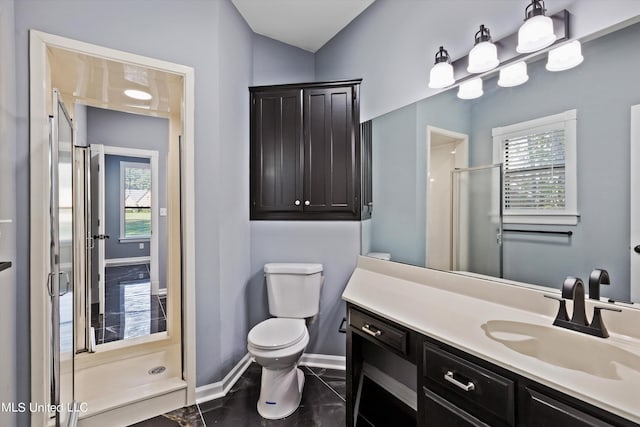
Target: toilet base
<point>280,392</point>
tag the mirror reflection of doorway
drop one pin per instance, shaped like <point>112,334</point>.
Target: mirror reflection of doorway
<point>447,150</point>
<point>128,295</point>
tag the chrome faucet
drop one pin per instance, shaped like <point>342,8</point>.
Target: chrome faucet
<point>573,289</point>
<point>596,278</point>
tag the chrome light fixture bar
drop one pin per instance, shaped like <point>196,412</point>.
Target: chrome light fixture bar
<point>441,74</point>
<point>537,31</point>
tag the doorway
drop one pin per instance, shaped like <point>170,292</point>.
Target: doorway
<point>130,380</point>
<point>446,151</point>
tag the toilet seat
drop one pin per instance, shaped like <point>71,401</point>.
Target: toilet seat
<point>277,333</point>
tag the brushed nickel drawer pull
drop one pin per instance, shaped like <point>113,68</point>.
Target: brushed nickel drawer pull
<point>466,387</point>
<point>366,328</point>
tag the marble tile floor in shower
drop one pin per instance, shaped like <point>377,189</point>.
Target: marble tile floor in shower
<point>323,404</point>
<point>130,309</point>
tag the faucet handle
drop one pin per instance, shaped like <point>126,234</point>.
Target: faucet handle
<point>597,324</point>
<point>562,309</point>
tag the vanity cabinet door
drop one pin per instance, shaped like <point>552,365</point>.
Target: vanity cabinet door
<point>538,409</point>
<point>276,152</point>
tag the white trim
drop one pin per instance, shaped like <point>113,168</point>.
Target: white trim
<point>535,123</point>
<point>393,386</point>
<point>634,231</point>
<point>39,85</point>
<point>325,361</point>
<point>220,389</point>
<point>111,262</point>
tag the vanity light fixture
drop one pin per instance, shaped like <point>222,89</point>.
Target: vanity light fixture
<point>441,74</point>
<point>484,55</point>
<point>470,89</point>
<point>513,75</point>
<point>537,31</point>
<point>565,57</point>
<point>138,94</point>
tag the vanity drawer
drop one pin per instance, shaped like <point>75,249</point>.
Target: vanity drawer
<point>379,330</point>
<point>477,390</point>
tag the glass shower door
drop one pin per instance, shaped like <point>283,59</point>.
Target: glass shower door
<point>61,276</point>
<point>477,220</point>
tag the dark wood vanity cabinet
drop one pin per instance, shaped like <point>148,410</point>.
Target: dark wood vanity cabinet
<point>456,389</point>
<point>305,151</point>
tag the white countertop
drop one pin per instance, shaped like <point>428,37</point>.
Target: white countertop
<point>459,310</point>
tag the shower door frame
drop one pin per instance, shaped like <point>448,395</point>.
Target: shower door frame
<point>40,109</point>
<point>499,213</point>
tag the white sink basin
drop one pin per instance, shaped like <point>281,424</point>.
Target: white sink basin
<point>567,349</point>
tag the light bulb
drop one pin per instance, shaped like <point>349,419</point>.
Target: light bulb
<point>470,89</point>
<point>567,56</point>
<point>513,75</point>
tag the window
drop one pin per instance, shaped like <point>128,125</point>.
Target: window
<point>539,170</point>
<point>135,190</point>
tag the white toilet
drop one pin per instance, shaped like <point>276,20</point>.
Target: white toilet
<point>293,291</point>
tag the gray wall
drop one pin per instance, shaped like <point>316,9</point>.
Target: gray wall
<point>398,223</point>
<point>14,382</point>
<point>278,63</point>
<point>214,39</point>
<point>392,44</point>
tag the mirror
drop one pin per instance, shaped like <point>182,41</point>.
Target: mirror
<point>127,192</point>
<point>415,149</point>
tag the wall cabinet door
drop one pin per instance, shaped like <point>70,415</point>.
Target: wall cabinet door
<point>276,152</point>
<point>330,150</point>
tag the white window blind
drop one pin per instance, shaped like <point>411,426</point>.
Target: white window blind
<point>538,157</point>
<point>534,171</point>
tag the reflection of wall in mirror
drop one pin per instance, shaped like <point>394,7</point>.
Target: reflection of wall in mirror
<point>602,101</point>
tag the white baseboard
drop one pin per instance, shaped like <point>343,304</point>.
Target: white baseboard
<point>323,361</point>
<point>393,386</point>
<point>220,389</point>
<point>111,262</point>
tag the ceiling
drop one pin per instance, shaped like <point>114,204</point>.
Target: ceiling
<point>100,82</point>
<point>307,24</point>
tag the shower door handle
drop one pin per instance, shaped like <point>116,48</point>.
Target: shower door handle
<point>100,236</point>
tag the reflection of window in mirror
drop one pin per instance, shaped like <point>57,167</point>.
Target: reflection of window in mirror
<point>135,188</point>
<point>539,169</point>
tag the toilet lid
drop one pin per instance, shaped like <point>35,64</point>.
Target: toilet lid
<point>276,333</point>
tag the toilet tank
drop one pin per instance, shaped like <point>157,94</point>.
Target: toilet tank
<point>293,289</point>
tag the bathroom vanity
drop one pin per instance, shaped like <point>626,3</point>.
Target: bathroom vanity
<point>486,353</point>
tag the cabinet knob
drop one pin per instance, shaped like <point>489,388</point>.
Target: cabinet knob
<point>297,202</point>
<point>307,203</point>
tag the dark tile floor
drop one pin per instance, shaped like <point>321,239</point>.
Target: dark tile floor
<point>130,309</point>
<point>323,404</point>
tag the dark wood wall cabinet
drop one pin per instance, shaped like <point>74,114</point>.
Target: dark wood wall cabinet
<point>305,151</point>
<point>457,389</point>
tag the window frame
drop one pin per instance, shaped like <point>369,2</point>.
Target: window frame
<point>138,165</point>
<point>566,121</point>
